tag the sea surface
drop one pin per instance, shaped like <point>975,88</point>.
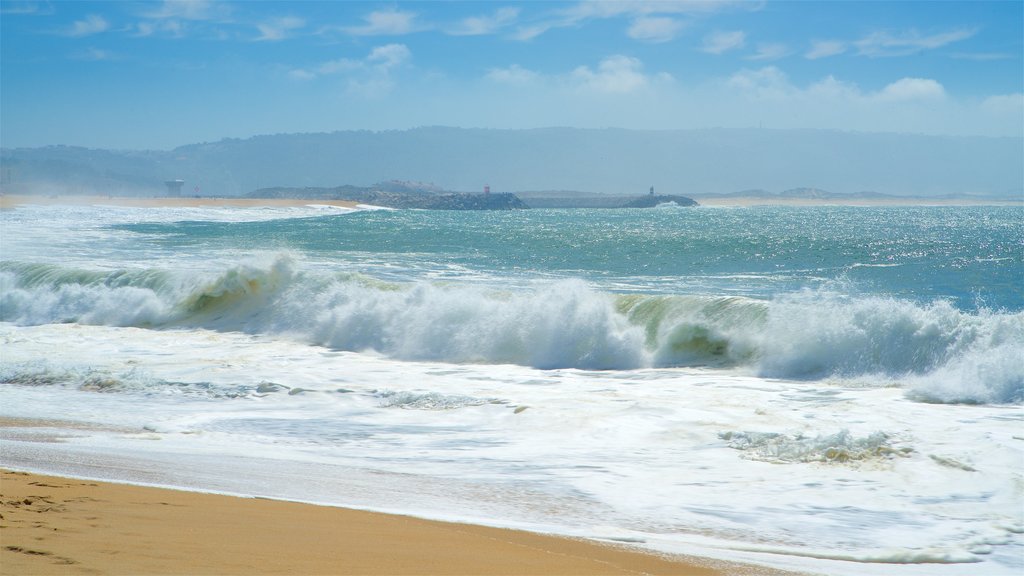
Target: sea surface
<point>830,389</point>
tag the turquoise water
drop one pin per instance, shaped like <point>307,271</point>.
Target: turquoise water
<point>821,389</point>
<point>971,256</point>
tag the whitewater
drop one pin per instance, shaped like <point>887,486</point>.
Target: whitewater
<point>827,389</point>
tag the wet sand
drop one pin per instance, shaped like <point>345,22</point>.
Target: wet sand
<point>53,525</point>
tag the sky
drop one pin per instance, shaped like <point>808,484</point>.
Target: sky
<point>156,75</point>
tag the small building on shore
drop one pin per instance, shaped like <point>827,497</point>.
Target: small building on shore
<point>174,187</point>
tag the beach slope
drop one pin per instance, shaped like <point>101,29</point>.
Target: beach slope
<point>54,525</point>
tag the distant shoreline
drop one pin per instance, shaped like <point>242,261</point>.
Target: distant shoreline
<point>852,201</point>
<point>8,201</point>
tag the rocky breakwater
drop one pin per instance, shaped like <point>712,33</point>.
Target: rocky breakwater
<point>658,199</point>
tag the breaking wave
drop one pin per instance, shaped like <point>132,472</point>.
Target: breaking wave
<point>938,352</point>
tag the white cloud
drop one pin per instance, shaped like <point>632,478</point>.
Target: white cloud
<point>333,67</point>
<point>143,29</point>
<point>514,74</point>
<point>615,74</point>
<point>389,56</point>
<point>173,18</point>
<point>369,77</point>
<point>641,13</point>
<point>721,42</point>
<point>190,10</point>
<point>911,89</point>
<point>879,44</point>
<point>612,8</point>
<point>91,24</point>
<point>771,83</point>
<point>824,49</point>
<point>770,52</point>
<point>300,74</point>
<point>527,33</point>
<point>481,25</point>
<point>1004,103</point>
<point>278,28</point>
<point>654,29</point>
<point>767,82</point>
<point>26,9</point>
<point>385,23</point>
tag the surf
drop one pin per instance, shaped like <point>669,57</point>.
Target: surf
<point>940,353</point>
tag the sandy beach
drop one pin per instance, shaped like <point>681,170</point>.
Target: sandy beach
<point>11,200</point>
<point>53,525</point>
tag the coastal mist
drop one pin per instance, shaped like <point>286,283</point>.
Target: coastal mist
<point>827,389</point>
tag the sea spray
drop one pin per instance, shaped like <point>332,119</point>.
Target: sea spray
<point>943,353</point>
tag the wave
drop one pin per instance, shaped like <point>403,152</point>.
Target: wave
<point>938,352</point>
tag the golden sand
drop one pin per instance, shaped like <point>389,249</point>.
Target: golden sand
<point>54,525</point>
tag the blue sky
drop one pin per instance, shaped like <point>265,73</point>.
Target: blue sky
<point>163,74</point>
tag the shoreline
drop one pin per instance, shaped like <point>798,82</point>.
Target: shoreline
<point>58,525</point>
<point>9,201</point>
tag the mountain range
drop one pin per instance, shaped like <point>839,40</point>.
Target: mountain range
<point>604,161</point>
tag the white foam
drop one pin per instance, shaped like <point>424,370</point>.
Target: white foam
<point>641,451</point>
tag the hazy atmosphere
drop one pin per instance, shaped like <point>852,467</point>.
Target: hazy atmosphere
<point>157,75</point>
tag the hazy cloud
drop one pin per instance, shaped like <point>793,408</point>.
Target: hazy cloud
<point>879,44</point>
<point>190,10</point>
<point>389,56</point>
<point>982,56</point>
<point>767,82</point>
<point>26,9</point>
<point>301,74</point>
<point>368,77</point>
<point>278,28</point>
<point>93,54</point>
<point>514,74</point>
<point>824,49</point>
<point>721,42</point>
<point>587,9</point>
<point>911,89</point>
<point>1004,104</point>
<point>481,25</point>
<point>645,22</point>
<point>616,74</point>
<point>769,52</point>
<point>772,83</point>
<point>654,29</point>
<point>385,23</point>
<point>91,24</point>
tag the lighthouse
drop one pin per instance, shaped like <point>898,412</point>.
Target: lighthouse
<point>487,189</point>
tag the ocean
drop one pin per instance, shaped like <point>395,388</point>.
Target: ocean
<point>831,389</point>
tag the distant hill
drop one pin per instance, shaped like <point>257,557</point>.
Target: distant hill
<point>609,161</point>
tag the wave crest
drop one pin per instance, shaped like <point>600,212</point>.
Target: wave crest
<point>940,353</point>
